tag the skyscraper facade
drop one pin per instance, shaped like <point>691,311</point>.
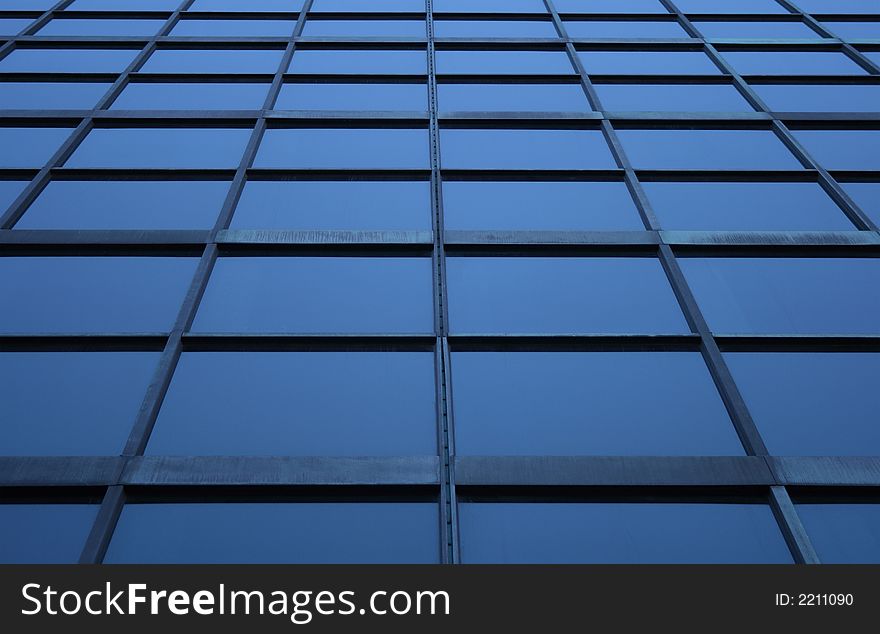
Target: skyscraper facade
<point>447,281</point>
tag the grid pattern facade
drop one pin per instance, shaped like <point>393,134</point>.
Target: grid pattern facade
<point>468,281</point>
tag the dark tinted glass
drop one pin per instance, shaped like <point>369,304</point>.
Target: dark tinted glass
<point>67,60</point>
<point>70,403</point>
<point>503,63</point>
<point>47,96</point>
<point>525,149</point>
<point>539,206</point>
<point>353,97</point>
<point>489,6</point>
<point>299,403</point>
<point>648,63</point>
<point>44,533</point>
<point>787,295</point>
<point>117,28</point>
<point>335,205</point>
<point>842,149</point>
<point>287,533</point>
<point>708,206</point>
<point>512,97</point>
<point>818,404</point>
<point>593,29</point>
<point>494,28</point>
<point>854,30</point>
<point>820,97</point>
<point>204,96</point>
<point>92,294</point>
<point>365,28</point>
<point>722,6</point>
<point>866,196</point>
<point>366,62</point>
<point>672,97</point>
<point>609,6</point>
<point>567,403</point>
<point>349,148</point>
<point>843,533</point>
<point>707,149</point>
<point>234,28</point>
<point>251,5</point>
<point>9,191</point>
<point>560,295</point>
<point>161,147</point>
<point>126,205</point>
<point>30,147</point>
<point>318,295</point>
<point>756,30</point>
<point>620,533</point>
<point>178,61</point>
<point>792,63</point>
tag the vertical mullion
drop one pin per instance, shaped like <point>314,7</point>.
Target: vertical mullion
<point>105,523</point>
<point>792,528</point>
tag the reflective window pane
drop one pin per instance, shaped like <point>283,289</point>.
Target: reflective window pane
<point>620,533</point>
<point>811,404</point>
<point>365,62</point>
<point>365,28</point>
<point>203,96</point>
<point>67,60</point>
<point>672,98</point>
<point>30,147</point>
<point>378,6</point>
<point>489,6</point>
<point>512,98</point>
<point>539,206</point>
<point>347,404</point>
<point>718,206</point>
<point>318,295</point>
<point>854,30</point>
<point>839,6</point>
<point>289,533</point>
<point>71,403</point>
<point>14,26</point>
<point>609,6</point>
<point>842,149</point>
<point>494,28</point>
<point>118,148</point>
<point>177,61</point>
<point>756,30</point>
<point>358,96</point>
<point>820,97</point>
<point>335,206</point>
<point>524,149</point>
<point>648,63</point>
<point>93,294</point>
<point>124,5</point>
<point>234,28</point>
<point>792,63</point>
<point>126,205</point>
<point>503,63</point>
<point>9,191</point>
<point>48,96</point>
<point>867,197</point>
<point>44,533</point>
<point>116,28</point>
<point>722,6</point>
<point>349,148</point>
<point>569,403</point>
<point>843,533</point>
<point>560,295</point>
<point>707,149</point>
<point>251,5</point>
<point>787,295</point>
<point>623,29</point>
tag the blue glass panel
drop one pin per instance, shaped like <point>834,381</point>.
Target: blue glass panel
<point>44,533</point>
<point>116,28</point>
<point>609,6</point>
<point>318,295</point>
<point>126,205</point>
<point>287,533</point>
<point>567,404</point>
<point>359,6</point>
<point>842,149</point>
<point>14,26</point>
<point>820,97</point>
<point>250,5</point>
<point>561,295</point>
<point>512,98</point>
<point>866,196</point>
<point>9,191</point>
<point>124,5</point>
<point>707,149</point>
<point>47,96</point>
<point>335,205</point>
<point>30,147</point>
<point>28,5</point>
<point>525,149</point>
<point>855,30</point>
<point>494,28</point>
<point>792,63</point>
<point>503,63</point>
<point>70,403</point>
<point>346,404</point>
<point>365,28</point>
<point>756,30</point>
<point>353,97</point>
<point>843,533</point>
<point>817,404</point>
<point>93,294</point>
<point>672,98</point>
<point>234,28</point>
<point>67,60</point>
<point>723,6</point>
<point>648,63</point>
<point>592,29</point>
<point>489,6</point>
<point>539,206</point>
<point>354,62</point>
<point>839,6</point>
<point>213,61</point>
<point>204,96</point>
<point>745,207</point>
<point>787,295</point>
<point>873,57</point>
<point>350,148</point>
<point>620,533</point>
<point>204,148</point>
